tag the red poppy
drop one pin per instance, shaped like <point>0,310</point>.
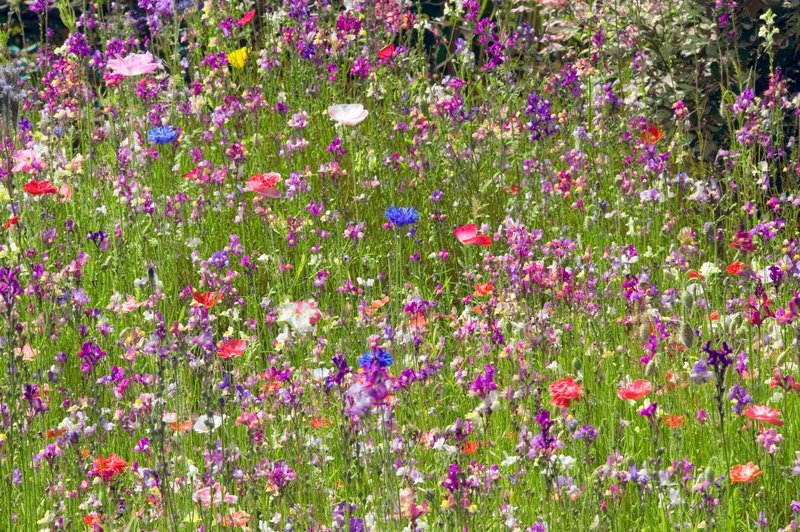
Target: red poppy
<point>247,18</point>
<point>39,188</point>
<point>483,289</point>
<point>207,299</point>
<point>745,473</point>
<point>635,390</point>
<point>93,519</point>
<point>386,52</point>
<point>231,348</point>
<point>652,134</point>
<point>468,234</point>
<point>107,468</point>
<point>765,414</point>
<point>14,220</point>
<point>193,174</point>
<point>564,391</point>
<point>735,268</point>
<point>694,274</point>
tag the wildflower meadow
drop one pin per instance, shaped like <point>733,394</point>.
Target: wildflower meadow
<point>378,265</point>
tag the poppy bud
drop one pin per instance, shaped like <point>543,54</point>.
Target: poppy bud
<point>577,364</point>
<point>687,335</point>
<point>688,301</point>
<point>644,333</point>
<point>651,368</point>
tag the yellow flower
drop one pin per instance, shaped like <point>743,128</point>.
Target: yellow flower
<point>237,58</point>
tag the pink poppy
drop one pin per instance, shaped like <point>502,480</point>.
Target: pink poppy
<point>231,348</point>
<point>264,185</point>
<point>564,391</point>
<point>468,234</point>
<point>386,52</point>
<point>246,19</point>
<point>765,414</point>
<point>134,64</point>
<point>635,390</point>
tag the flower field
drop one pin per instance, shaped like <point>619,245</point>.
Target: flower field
<point>389,265</point>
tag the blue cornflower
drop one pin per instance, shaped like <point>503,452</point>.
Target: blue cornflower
<point>162,135</point>
<point>401,216</point>
<point>379,355</point>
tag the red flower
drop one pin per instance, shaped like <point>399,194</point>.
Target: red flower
<point>38,188</point>
<point>735,268</point>
<point>468,234</point>
<point>635,390</point>
<point>483,289</point>
<point>471,447</point>
<point>14,220</point>
<point>765,414</point>
<point>652,135</point>
<point>247,18</point>
<point>207,299</point>
<point>107,468</point>
<point>386,52</point>
<point>93,519</point>
<point>564,391</point>
<point>231,348</point>
<point>745,473</point>
<point>694,274</point>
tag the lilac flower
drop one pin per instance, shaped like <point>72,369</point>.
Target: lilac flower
<point>540,120</point>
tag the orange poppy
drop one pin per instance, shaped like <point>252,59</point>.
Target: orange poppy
<point>320,423</point>
<point>181,426</point>
<point>652,134</point>
<point>471,447</point>
<point>673,422</point>
<point>207,299</point>
<point>745,473</point>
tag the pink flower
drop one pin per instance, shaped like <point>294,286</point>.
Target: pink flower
<point>134,64</point>
<point>348,114</point>
<point>765,414</point>
<point>27,161</point>
<point>468,234</point>
<point>264,185</point>
<point>635,390</point>
<point>231,348</point>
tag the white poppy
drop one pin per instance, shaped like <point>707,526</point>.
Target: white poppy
<point>348,114</point>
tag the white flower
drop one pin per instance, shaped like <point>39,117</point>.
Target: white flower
<point>348,114</point>
<point>300,315</point>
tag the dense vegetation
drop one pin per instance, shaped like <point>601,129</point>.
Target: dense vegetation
<point>382,265</point>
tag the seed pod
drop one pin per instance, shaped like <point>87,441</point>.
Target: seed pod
<point>688,301</point>
<point>644,332</point>
<point>687,335</point>
<point>651,368</point>
<point>577,364</point>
